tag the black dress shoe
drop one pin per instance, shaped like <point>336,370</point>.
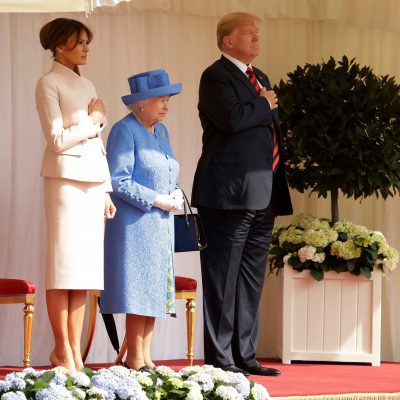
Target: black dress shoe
<point>260,370</point>
<point>234,368</point>
<point>144,368</point>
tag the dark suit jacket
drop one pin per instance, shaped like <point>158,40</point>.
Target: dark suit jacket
<point>235,167</point>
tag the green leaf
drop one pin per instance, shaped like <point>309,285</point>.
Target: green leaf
<point>317,275</point>
<point>366,272</point>
<point>88,371</point>
<point>351,264</point>
<point>47,376</point>
<point>40,384</point>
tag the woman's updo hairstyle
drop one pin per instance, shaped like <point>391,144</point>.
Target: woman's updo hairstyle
<point>58,32</point>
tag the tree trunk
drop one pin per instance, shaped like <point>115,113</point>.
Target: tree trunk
<point>334,204</point>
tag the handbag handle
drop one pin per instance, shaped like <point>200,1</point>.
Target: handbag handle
<point>186,206</point>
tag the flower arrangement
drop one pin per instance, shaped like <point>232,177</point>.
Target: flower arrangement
<point>117,382</point>
<point>319,245</point>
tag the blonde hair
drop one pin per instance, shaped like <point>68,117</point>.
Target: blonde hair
<point>227,24</point>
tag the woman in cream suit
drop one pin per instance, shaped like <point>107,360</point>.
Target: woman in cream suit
<point>76,185</point>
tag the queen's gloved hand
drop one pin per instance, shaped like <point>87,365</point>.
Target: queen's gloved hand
<point>168,203</point>
<point>178,196</point>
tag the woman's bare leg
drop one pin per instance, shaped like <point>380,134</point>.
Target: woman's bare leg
<point>147,337</point>
<point>76,314</point>
<point>57,309</point>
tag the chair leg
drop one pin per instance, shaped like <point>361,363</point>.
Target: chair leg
<point>121,353</point>
<point>28,320</point>
<point>190,321</point>
<point>93,296</point>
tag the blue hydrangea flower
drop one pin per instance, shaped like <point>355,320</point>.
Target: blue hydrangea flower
<point>16,383</point>
<point>5,386</point>
<point>121,372</point>
<point>31,371</point>
<point>240,383</point>
<point>54,392</point>
<point>105,380</point>
<point>59,379</point>
<point>130,389</point>
<point>204,380</point>
<point>124,384</point>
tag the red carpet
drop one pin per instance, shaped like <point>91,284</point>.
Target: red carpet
<point>314,379</point>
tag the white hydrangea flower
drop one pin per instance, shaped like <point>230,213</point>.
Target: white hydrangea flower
<point>219,375</point>
<point>316,238</point>
<point>227,393</point>
<point>194,395</point>
<point>259,392</point>
<point>318,257</point>
<point>97,393</point>
<point>302,220</point>
<point>191,385</point>
<point>164,371</point>
<point>388,265</point>
<point>207,368</point>
<point>144,379</point>
<point>347,250</point>
<point>61,370</point>
<point>13,396</point>
<point>195,369</point>
<point>306,253</point>
<point>81,379</point>
<point>175,382</point>
<point>291,235</point>
<point>78,393</point>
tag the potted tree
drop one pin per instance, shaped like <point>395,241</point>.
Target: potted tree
<point>338,118</point>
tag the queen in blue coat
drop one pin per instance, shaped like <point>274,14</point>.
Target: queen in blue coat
<point>139,242</point>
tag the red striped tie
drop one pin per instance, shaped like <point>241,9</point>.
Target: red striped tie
<point>275,155</point>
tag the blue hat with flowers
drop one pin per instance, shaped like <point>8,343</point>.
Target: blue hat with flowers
<point>150,84</point>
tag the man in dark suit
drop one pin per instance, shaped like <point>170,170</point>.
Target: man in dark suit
<point>239,187</point>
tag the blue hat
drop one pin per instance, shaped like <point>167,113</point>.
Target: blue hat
<point>150,84</point>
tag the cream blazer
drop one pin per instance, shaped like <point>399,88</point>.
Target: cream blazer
<point>62,98</point>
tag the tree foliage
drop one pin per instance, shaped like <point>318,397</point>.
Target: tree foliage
<point>342,126</point>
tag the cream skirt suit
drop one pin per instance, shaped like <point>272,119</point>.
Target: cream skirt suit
<point>76,178</point>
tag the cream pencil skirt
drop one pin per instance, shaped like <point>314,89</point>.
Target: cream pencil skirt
<point>75,233</point>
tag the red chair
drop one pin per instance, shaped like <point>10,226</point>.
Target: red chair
<point>14,291</point>
<point>185,288</point>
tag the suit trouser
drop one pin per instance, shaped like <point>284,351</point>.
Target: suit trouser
<point>233,269</point>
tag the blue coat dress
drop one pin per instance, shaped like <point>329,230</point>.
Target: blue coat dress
<point>139,241</point>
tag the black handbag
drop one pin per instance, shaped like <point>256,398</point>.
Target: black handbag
<point>189,233</point>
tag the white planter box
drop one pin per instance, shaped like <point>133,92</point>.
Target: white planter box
<point>337,319</point>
